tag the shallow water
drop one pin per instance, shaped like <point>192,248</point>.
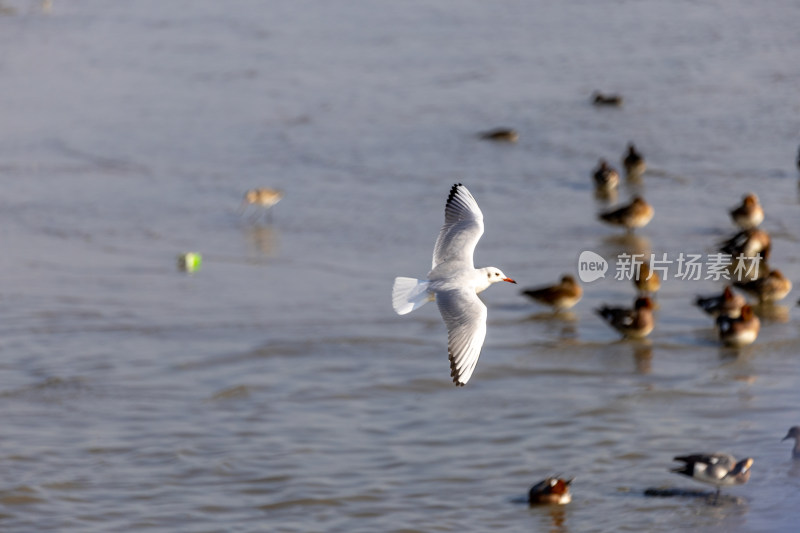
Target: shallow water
<point>275,389</point>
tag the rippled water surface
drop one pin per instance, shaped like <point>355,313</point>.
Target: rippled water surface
<point>275,389</point>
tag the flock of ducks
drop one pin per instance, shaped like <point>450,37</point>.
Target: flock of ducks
<point>637,322</point>
<point>736,321</point>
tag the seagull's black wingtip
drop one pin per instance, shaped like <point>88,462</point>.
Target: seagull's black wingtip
<point>453,191</point>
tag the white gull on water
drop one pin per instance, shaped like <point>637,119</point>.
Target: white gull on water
<point>454,283</point>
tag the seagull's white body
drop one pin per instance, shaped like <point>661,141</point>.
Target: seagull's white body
<point>454,283</point>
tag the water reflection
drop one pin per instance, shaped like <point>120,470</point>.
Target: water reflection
<point>643,357</point>
<point>733,353</point>
<point>626,243</point>
<point>564,323</point>
<point>558,517</point>
<point>634,185</point>
<point>724,502</point>
<point>554,316</point>
<point>263,238</point>
<point>771,312</point>
<point>606,197</point>
<point>552,518</point>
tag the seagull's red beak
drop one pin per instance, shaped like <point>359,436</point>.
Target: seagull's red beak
<point>510,280</point>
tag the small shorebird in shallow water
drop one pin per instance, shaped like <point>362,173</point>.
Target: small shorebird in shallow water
<point>718,469</point>
<point>770,288</point>
<point>454,283</point>
<point>263,197</point>
<point>749,243</point>
<point>636,214</point>
<point>562,296</point>
<point>606,178</point>
<point>636,323</point>
<point>728,303</point>
<point>749,214</point>
<point>739,331</point>
<point>610,100</point>
<point>794,433</point>
<point>634,163</point>
<point>646,280</point>
<point>501,135</point>
<point>552,490</point>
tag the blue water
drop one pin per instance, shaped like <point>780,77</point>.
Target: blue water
<point>275,389</point>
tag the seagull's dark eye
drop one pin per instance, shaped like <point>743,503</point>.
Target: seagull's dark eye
<point>496,273</point>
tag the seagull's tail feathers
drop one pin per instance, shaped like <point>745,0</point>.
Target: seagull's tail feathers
<point>409,294</point>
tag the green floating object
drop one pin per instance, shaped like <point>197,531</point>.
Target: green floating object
<point>190,261</point>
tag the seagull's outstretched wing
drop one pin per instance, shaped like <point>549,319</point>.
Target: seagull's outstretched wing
<point>463,227</point>
<point>465,316</point>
